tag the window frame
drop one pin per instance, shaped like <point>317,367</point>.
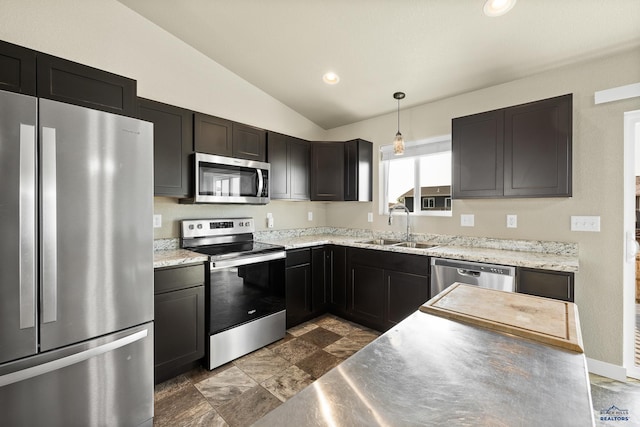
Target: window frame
<point>415,148</point>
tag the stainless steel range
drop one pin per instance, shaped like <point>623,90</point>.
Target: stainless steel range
<point>246,290</point>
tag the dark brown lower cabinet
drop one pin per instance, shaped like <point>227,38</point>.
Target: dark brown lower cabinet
<point>545,283</point>
<point>298,286</point>
<point>316,282</point>
<point>179,320</point>
<point>385,287</point>
<point>367,295</point>
<point>405,292</point>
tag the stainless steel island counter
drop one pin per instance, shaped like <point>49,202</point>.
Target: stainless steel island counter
<point>431,371</point>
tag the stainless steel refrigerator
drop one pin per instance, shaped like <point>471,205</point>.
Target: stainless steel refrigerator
<point>76,265</point>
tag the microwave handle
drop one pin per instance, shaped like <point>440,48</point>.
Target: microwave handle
<point>260,182</point>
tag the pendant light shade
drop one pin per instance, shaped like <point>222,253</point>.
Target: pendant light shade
<point>398,142</point>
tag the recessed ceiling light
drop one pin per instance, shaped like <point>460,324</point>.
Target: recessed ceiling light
<point>331,78</point>
<point>497,7</point>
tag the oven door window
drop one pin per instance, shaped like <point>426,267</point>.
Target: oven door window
<point>241,294</point>
<point>227,180</point>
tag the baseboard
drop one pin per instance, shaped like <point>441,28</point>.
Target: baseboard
<point>608,370</point>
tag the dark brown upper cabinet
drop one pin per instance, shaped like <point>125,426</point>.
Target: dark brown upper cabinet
<point>249,142</point>
<point>477,146</point>
<point>172,147</point>
<point>289,159</point>
<point>327,171</point>
<point>519,151</point>
<point>213,135</point>
<point>17,69</point>
<point>342,171</point>
<point>358,170</point>
<point>78,84</point>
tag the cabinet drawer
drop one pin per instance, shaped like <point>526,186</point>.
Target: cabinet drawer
<point>181,277</point>
<point>548,284</point>
<point>298,256</point>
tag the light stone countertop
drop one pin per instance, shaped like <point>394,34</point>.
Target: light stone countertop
<point>174,257</point>
<point>555,256</point>
<point>540,260</point>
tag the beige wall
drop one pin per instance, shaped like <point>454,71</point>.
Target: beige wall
<point>597,184</point>
<point>107,35</point>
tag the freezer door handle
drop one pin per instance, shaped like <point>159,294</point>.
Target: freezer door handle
<point>27,209</point>
<point>63,362</point>
<point>49,226</point>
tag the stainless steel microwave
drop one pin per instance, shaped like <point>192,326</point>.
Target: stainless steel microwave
<point>220,179</point>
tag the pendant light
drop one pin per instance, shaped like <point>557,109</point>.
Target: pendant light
<point>398,142</point>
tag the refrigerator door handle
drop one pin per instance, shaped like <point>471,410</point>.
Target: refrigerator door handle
<point>49,226</point>
<point>27,209</point>
<point>63,362</point>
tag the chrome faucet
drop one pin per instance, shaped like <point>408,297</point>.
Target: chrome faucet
<point>400,206</point>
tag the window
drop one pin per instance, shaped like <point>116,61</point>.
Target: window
<point>420,178</point>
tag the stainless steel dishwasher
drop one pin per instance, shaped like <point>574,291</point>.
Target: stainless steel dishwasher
<point>446,272</point>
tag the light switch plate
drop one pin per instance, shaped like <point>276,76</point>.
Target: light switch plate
<point>157,221</point>
<point>467,220</point>
<point>585,223</point>
<point>512,221</point>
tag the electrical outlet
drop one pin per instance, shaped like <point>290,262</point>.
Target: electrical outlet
<point>585,223</point>
<point>512,221</point>
<point>369,216</point>
<point>269,220</point>
<point>310,216</point>
<point>157,221</point>
<point>467,220</point>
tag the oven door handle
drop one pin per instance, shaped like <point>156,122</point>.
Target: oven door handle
<point>246,260</point>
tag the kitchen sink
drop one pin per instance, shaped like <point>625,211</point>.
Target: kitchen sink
<point>382,242</point>
<point>399,243</point>
<point>417,245</point>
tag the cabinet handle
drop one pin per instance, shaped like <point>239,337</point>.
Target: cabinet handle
<point>27,212</point>
<point>49,227</point>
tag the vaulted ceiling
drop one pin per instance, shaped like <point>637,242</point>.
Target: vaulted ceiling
<point>429,49</point>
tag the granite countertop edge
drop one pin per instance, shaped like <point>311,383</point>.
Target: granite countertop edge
<point>543,261</point>
<point>167,256</point>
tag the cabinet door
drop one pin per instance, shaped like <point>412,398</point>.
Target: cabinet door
<point>405,293</point>
<point>17,69</point>
<point>249,143</point>
<point>78,84</point>
<point>179,330</point>
<point>544,283</point>
<point>358,170</point>
<point>320,269</point>
<point>337,286</point>
<point>367,295</point>
<point>172,147</point>
<point>212,135</point>
<point>298,168</point>
<point>477,145</point>
<point>279,159</point>
<point>298,294</point>
<point>327,171</point>
<point>537,148</point>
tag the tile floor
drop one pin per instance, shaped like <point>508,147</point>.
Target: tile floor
<point>240,392</point>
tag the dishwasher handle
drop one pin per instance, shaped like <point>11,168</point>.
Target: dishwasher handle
<point>468,273</point>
